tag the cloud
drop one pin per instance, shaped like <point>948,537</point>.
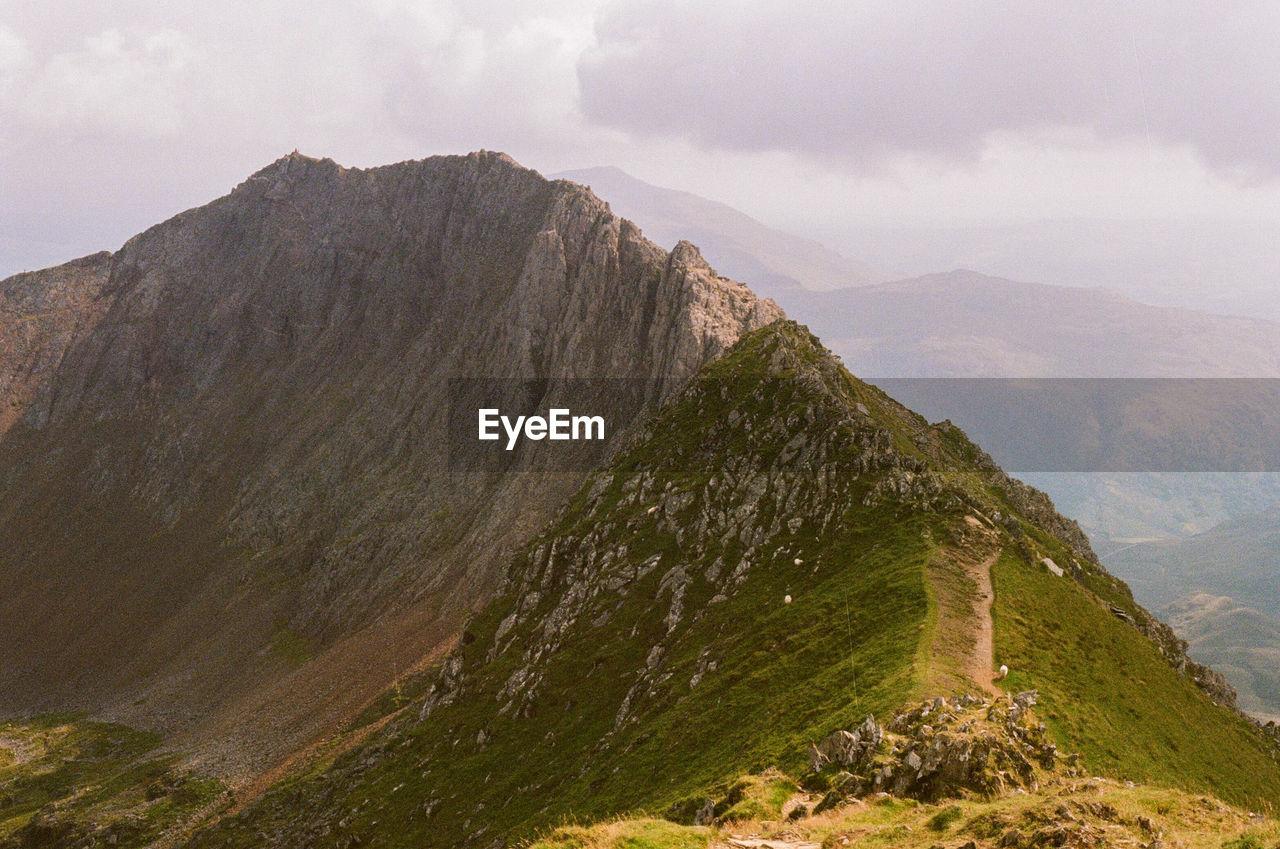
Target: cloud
<point>860,84</point>
<point>275,74</point>
<point>120,82</point>
<point>12,50</point>
<point>496,85</point>
<point>114,116</point>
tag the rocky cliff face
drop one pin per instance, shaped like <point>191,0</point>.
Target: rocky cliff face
<point>43,314</point>
<point>229,501</point>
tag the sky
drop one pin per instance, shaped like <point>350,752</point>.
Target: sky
<point>1092,143</point>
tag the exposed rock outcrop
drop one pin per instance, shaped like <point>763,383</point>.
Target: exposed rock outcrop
<point>43,315</point>
<point>938,749</point>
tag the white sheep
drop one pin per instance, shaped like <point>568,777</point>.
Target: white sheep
<point>1003,673</point>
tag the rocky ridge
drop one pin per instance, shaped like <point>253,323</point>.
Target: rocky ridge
<point>939,749</point>
<point>245,408</point>
<point>614,669</point>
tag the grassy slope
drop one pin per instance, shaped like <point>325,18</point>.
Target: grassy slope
<point>1107,693</point>
<point>853,642</point>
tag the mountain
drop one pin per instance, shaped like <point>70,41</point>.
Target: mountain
<point>278,594</point>
<point>780,553</point>
<point>966,324</point>
<point>232,511</point>
<point>772,261</point>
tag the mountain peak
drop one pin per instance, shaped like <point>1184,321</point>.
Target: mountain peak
<point>292,162</point>
<point>249,355</point>
<point>687,253</point>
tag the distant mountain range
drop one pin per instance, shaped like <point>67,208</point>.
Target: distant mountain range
<point>738,245</point>
<point>954,324</point>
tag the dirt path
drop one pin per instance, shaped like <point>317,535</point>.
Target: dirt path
<point>980,666</point>
<point>961,654</point>
<point>770,843</point>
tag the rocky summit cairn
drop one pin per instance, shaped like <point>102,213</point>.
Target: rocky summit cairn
<point>937,749</point>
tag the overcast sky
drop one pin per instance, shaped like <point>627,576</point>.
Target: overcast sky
<point>832,119</point>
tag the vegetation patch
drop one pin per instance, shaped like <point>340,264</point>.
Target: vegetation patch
<point>1067,812</point>
<point>1106,691</point>
<point>626,834</point>
<point>69,782</point>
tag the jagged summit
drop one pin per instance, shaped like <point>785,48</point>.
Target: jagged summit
<point>245,410</point>
<point>296,161</point>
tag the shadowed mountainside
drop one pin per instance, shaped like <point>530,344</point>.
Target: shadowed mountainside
<point>230,512</point>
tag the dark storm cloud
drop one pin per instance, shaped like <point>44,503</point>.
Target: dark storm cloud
<point>859,82</point>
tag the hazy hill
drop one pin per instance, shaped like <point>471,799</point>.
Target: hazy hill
<point>1239,556</point>
<point>1219,589</point>
<point>959,323</point>
<point>771,261</point>
<point>965,324</point>
<point>1237,640</point>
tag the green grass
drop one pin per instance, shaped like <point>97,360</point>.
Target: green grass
<point>944,819</point>
<point>290,646</point>
<point>718,476</point>
<point>401,694</point>
<point>626,834</point>
<point>751,797</point>
<point>1107,693</point>
<point>90,775</point>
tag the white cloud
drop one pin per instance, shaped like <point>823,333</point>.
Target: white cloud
<point>811,114</point>
<point>122,83</point>
<point>859,84</point>
<point>13,49</point>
